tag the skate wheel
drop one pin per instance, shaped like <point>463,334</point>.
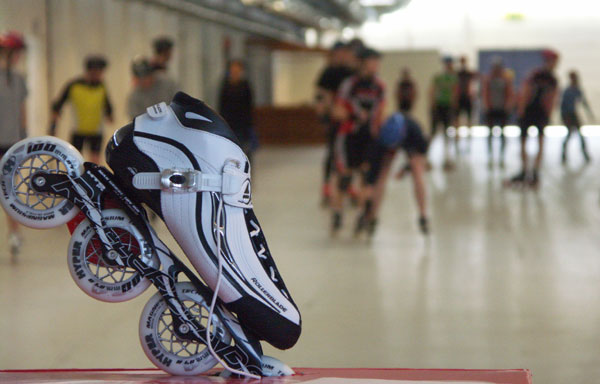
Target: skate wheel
<point>101,280</point>
<point>274,367</point>
<point>19,163</point>
<point>161,345</point>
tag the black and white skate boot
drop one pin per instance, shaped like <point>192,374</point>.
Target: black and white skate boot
<point>184,162</point>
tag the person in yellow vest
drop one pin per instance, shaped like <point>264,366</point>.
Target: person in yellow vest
<point>91,106</point>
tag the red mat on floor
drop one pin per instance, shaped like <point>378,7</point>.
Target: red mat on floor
<point>304,375</point>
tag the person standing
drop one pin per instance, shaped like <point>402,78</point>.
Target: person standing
<point>147,89</point>
<point>358,109</point>
<point>236,105</point>
<point>571,97</point>
<point>538,95</point>
<point>443,103</point>
<point>328,84</point>
<point>465,79</point>
<point>13,93</point>
<point>163,52</point>
<point>406,92</point>
<point>497,92</point>
<point>91,104</point>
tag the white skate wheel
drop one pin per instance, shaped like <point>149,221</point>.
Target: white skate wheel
<point>19,163</point>
<point>104,282</point>
<point>164,349</point>
<point>274,367</point>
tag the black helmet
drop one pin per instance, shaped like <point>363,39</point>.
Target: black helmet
<point>95,62</point>
<point>356,45</point>
<point>140,67</point>
<point>162,44</point>
<point>339,45</point>
<point>368,53</point>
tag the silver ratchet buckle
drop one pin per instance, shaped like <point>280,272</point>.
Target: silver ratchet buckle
<point>179,180</point>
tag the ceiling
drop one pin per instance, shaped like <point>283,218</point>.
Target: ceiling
<point>287,19</point>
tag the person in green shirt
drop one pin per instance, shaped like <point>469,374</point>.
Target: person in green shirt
<point>443,97</point>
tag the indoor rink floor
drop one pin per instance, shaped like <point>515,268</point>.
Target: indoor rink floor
<point>506,279</point>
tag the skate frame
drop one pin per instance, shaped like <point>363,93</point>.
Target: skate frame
<point>91,193</point>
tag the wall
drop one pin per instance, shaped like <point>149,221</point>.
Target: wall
<point>294,76</point>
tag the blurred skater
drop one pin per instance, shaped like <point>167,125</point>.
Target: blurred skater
<point>571,97</point>
<point>358,109</point>
<point>163,52</point>
<point>148,88</point>
<point>13,93</point>
<point>537,98</point>
<point>328,84</point>
<point>497,92</point>
<point>406,92</point>
<point>236,105</point>
<point>399,132</point>
<point>443,102</point>
<point>465,94</point>
<point>91,104</point>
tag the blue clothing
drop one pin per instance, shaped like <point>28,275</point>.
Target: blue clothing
<point>571,95</point>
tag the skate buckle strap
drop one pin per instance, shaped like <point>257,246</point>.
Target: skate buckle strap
<point>233,183</point>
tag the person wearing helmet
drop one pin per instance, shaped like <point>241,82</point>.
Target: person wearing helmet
<point>91,105</point>
<point>538,95</point>
<point>399,132</point>
<point>143,93</point>
<point>13,92</point>
<point>358,109</point>
<point>497,98</point>
<point>443,102</point>
<point>163,51</point>
<point>464,89</point>
<point>148,87</point>
<point>328,83</point>
<point>162,47</point>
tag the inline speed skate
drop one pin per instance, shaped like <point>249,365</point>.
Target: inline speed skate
<point>184,162</point>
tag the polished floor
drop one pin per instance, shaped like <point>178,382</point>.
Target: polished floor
<point>506,279</point>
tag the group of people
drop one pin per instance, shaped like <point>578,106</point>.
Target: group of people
<point>152,84</point>
<point>362,141</point>
<point>452,97</point>
<point>91,103</point>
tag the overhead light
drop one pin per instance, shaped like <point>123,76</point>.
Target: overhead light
<point>377,3</point>
<point>279,5</point>
<point>311,36</point>
<point>348,33</point>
